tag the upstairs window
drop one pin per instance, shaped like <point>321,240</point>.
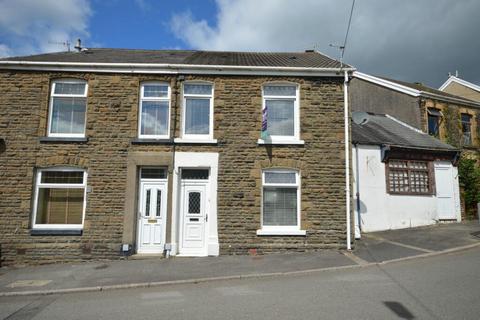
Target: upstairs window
<point>409,177</point>
<point>68,105</point>
<point>434,119</point>
<point>466,128</point>
<point>280,113</point>
<point>198,111</point>
<point>60,198</point>
<point>154,111</point>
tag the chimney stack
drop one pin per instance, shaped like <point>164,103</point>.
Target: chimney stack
<point>78,45</point>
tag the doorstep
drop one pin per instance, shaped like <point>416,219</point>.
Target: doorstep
<point>146,256</point>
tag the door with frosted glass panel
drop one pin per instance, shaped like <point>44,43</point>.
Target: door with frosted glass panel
<point>152,213</point>
<point>194,212</point>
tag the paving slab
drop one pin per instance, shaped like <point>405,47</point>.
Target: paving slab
<point>374,250</point>
<point>81,275</point>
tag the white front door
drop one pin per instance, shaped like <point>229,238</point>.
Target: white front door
<point>444,183</point>
<point>151,217</point>
<point>193,216</point>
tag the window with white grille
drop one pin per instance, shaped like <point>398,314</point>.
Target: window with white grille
<point>409,177</point>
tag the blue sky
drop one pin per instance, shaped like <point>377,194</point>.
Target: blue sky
<point>142,24</point>
<point>406,40</point>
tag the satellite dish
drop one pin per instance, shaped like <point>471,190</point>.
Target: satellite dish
<point>360,117</point>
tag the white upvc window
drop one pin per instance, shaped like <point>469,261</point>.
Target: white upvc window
<point>154,111</point>
<point>280,114</point>
<point>68,107</point>
<point>197,123</point>
<point>280,203</point>
<point>60,198</point>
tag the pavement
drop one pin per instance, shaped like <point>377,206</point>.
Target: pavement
<point>373,248</point>
<point>438,287</point>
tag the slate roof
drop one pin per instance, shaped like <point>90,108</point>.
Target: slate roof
<point>308,59</point>
<point>424,88</point>
<point>383,130</point>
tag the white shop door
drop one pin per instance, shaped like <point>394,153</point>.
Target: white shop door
<point>152,213</point>
<point>444,183</point>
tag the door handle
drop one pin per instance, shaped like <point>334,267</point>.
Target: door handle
<point>206,218</point>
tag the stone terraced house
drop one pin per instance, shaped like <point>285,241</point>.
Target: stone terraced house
<point>111,152</point>
<point>451,118</point>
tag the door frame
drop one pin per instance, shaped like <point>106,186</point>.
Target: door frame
<point>141,183</point>
<point>196,160</point>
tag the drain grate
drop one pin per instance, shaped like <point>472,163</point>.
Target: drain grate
<point>476,234</point>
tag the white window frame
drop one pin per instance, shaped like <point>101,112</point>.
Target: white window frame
<point>39,184</point>
<point>282,230</point>
<point>140,108</point>
<point>197,138</point>
<point>295,139</point>
<point>50,108</point>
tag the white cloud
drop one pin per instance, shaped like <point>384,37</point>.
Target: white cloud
<point>143,5</point>
<point>265,25</point>
<point>32,26</point>
<point>5,51</point>
<point>409,40</point>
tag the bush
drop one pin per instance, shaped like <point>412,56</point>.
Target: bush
<point>469,178</point>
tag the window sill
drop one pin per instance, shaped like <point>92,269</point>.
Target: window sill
<point>281,232</point>
<point>151,141</point>
<point>62,140</point>
<point>195,141</point>
<point>430,194</point>
<point>56,232</point>
<point>280,142</point>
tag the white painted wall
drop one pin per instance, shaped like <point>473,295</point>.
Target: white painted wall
<point>379,210</point>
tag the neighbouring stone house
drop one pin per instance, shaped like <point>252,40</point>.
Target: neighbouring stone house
<point>460,87</point>
<point>110,152</point>
<point>451,118</point>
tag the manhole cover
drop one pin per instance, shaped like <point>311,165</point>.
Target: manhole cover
<point>28,283</point>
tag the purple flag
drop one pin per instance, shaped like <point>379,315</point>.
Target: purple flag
<point>264,134</point>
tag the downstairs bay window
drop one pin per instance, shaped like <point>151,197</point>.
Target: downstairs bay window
<point>280,203</point>
<point>59,198</point>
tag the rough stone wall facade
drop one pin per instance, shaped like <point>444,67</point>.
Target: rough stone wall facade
<point>451,127</point>
<point>462,91</point>
<point>112,115</point>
